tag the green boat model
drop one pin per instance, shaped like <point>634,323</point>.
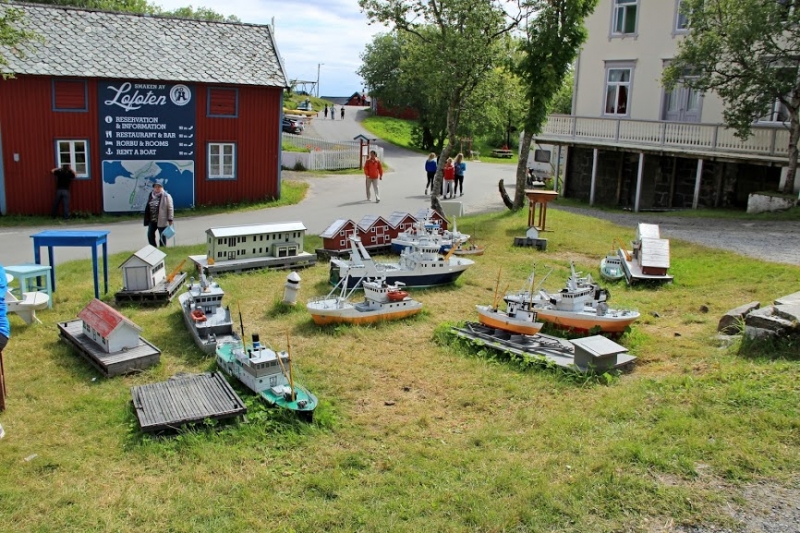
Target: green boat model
<point>267,373</point>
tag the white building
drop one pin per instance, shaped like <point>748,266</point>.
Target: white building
<point>633,144</point>
<point>144,270</point>
<point>108,328</point>
<point>255,241</point>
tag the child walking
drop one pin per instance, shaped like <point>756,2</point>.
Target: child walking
<point>449,178</point>
<point>430,169</point>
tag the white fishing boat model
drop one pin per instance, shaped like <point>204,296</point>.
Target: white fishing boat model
<point>205,317</point>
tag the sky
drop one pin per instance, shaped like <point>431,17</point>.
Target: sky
<point>332,33</point>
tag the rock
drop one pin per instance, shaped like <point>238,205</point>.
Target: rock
<point>731,321</point>
<point>765,319</point>
<point>725,341</point>
<point>388,402</point>
<point>704,309</point>
<point>790,312</point>
<point>788,299</point>
<point>758,333</point>
<point>655,314</point>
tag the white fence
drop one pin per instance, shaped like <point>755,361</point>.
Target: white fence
<point>322,154</point>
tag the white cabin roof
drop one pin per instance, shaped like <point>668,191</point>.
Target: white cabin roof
<point>648,231</point>
<point>335,227</point>
<point>598,346</point>
<point>149,254</point>
<point>255,229</point>
<point>655,253</point>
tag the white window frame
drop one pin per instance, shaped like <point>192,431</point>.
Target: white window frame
<point>216,171</point>
<point>772,114</point>
<point>622,6</point>
<point>81,171</point>
<point>677,29</point>
<point>618,65</point>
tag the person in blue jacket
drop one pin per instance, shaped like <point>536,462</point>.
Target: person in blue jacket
<point>5,327</point>
<point>430,169</point>
<point>461,168</point>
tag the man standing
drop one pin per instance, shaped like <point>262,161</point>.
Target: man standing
<point>64,176</point>
<point>373,170</point>
<point>342,108</point>
<point>158,214</point>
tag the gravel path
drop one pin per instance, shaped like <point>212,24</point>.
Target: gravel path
<point>777,242</point>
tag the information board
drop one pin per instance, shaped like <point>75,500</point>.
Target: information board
<point>146,136</point>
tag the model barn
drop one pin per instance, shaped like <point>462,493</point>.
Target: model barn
<point>129,100</point>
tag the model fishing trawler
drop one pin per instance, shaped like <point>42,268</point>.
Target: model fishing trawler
<point>611,265</point>
<point>519,316</point>
<point>267,373</point>
<point>208,322</point>
<point>581,306</point>
<point>382,301</point>
<point>420,265</point>
<point>430,231</point>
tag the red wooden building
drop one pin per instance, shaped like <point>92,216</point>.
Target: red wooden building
<point>130,100</point>
<point>335,236</point>
<point>374,230</point>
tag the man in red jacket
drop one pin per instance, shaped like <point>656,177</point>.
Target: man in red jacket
<point>373,170</point>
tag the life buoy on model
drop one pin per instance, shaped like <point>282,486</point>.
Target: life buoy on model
<point>198,315</point>
<point>397,296</point>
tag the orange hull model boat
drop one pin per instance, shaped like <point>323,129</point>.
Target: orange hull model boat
<point>382,301</point>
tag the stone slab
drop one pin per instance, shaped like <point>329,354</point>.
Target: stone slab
<point>790,312</point>
<point>789,299</point>
<point>730,321</point>
<point>765,319</point>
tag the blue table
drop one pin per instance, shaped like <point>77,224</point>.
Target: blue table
<point>51,238</point>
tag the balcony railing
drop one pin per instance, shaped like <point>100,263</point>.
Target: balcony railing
<point>769,141</point>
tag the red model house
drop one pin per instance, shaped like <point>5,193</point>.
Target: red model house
<point>129,100</point>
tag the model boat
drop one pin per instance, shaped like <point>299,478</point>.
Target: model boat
<point>580,306</point>
<point>206,319</point>
<point>469,249</point>
<point>519,316</point>
<point>382,301</point>
<point>267,373</point>
<point>611,266</point>
<point>430,231</point>
<point>420,265</point>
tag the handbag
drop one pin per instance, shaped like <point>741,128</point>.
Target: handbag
<point>169,232</point>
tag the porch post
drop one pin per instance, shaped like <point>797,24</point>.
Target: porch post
<point>594,177</point>
<point>697,177</point>
<point>558,169</point>
<point>639,182</point>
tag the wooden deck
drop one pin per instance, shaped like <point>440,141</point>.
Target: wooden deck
<point>109,364</point>
<point>182,400</point>
<point>161,294</point>
<point>633,271</point>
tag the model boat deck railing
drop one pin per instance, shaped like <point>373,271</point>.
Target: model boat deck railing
<point>765,141</point>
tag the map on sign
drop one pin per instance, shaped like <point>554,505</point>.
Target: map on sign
<point>127,184</point>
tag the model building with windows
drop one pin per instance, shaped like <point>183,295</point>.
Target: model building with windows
<point>254,246</point>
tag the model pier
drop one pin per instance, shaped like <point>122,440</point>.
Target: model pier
<point>595,353</point>
<point>110,364</point>
<point>649,260</point>
<point>185,400</point>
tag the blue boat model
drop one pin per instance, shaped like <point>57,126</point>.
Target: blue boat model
<point>426,229</point>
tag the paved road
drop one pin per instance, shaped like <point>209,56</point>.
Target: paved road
<point>329,198</point>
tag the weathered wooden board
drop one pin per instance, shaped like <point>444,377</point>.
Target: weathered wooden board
<point>169,405</point>
<point>109,364</point>
<point>302,260</point>
<point>161,294</point>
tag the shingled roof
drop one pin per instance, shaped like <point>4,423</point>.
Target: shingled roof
<point>100,44</point>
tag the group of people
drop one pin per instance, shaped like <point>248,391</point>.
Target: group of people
<point>452,175</point>
<point>333,112</point>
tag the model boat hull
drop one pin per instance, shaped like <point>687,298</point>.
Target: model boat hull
<point>611,269</point>
<point>212,330</point>
<point>492,318</point>
<point>409,278</point>
<point>588,319</point>
<point>334,312</point>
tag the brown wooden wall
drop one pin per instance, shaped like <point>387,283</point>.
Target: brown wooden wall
<point>29,127</point>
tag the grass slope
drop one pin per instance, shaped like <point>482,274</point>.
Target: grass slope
<point>415,432</point>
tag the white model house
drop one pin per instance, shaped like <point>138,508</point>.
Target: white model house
<point>144,269</point>
<point>108,328</point>
<point>632,143</point>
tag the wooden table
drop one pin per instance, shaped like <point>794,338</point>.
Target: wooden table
<point>538,198</point>
<point>52,238</point>
<point>26,272</point>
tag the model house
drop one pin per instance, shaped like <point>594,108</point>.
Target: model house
<point>128,100</point>
<point>111,331</point>
<point>631,143</point>
<point>144,269</point>
<point>401,221</point>
<point>651,250</point>
<point>374,230</point>
<point>249,247</point>
<point>335,236</point>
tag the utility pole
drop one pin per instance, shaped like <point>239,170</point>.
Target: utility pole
<point>318,65</point>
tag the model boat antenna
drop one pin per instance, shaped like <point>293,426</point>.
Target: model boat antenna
<point>543,279</point>
<point>241,322</point>
<point>497,288</point>
<point>289,358</point>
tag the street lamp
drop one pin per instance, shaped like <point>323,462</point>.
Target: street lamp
<point>318,65</point>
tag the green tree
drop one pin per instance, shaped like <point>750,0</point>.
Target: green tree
<point>748,52</point>
<point>13,35</point>
<point>460,41</point>
<point>552,41</point>
<point>143,7</point>
<point>201,13</point>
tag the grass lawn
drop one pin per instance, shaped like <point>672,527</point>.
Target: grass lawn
<point>415,431</point>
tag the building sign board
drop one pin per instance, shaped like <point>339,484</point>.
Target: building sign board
<point>147,136</point>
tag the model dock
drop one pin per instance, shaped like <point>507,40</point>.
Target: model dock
<point>595,353</point>
<point>110,364</point>
<point>649,260</point>
<point>185,400</point>
<point>160,294</point>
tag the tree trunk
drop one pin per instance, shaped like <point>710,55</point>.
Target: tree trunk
<point>794,137</point>
<point>522,169</point>
<point>452,128</point>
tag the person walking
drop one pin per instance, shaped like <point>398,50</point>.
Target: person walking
<point>5,333</point>
<point>64,176</point>
<point>333,112</point>
<point>342,109</point>
<point>430,169</point>
<point>326,110</point>
<point>460,169</point>
<point>158,214</point>
<point>448,176</point>
<point>373,170</point>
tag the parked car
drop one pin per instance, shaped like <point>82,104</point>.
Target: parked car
<point>305,106</point>
<point>292,125</point>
